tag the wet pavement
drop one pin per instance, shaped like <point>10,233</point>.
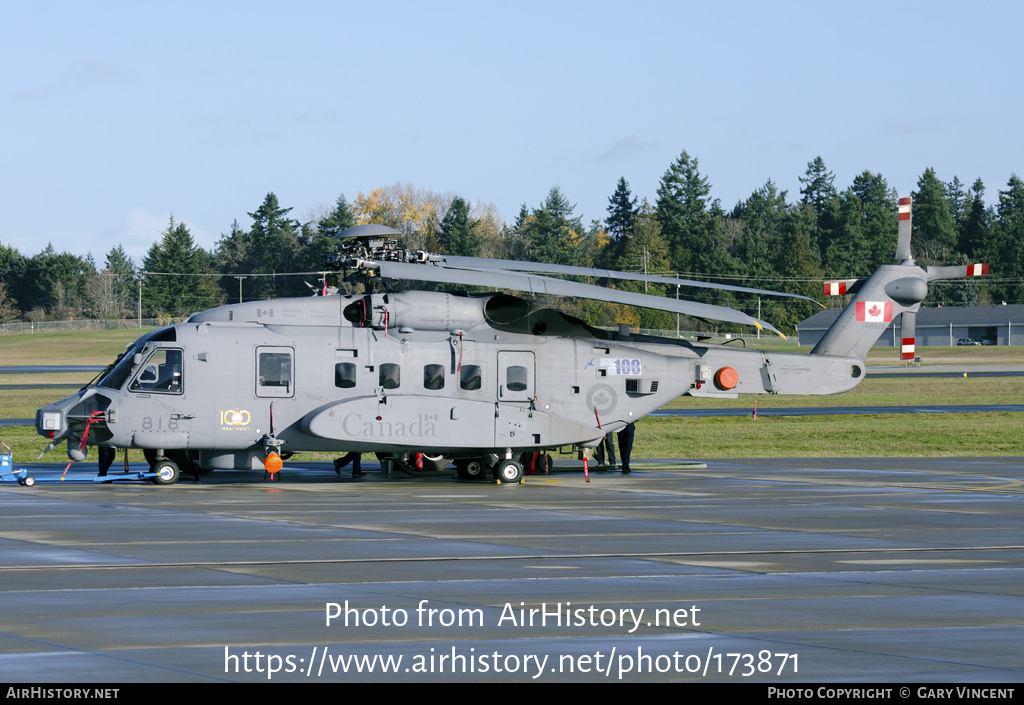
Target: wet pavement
<point>895,570</point>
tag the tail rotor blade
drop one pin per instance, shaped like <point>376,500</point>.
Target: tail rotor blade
<point>957,272</point>
<point>903,239</point>
<point>843,286</point>
<point>908,323</point>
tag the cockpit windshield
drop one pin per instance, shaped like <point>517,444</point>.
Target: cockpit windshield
<point>117,374</point>
<point>123,368</point>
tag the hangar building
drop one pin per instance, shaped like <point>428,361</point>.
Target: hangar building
<point>946,325</point>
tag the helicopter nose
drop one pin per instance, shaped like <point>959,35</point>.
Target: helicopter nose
<point>49,423</point>
<point>51,420</point>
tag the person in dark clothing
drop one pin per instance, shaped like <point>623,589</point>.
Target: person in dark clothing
<point>106,459</point>
<point>626,446</point>
<point>355,459</point>
<point>605,451</point>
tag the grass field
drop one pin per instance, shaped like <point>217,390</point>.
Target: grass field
<point>960,434</point>
<point>79,348</point>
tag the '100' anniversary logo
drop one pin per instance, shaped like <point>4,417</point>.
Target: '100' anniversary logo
<point>235,419</point>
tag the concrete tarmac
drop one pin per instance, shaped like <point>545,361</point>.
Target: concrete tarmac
<point>774,571</point>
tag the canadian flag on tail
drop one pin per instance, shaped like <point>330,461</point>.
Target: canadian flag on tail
<point>874,311</point>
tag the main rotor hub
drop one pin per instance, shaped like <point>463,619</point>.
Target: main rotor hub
<point>363,246</point>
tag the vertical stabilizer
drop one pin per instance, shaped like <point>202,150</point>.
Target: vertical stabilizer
<point>893,290</point>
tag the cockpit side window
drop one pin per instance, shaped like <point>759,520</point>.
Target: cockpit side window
<point>161,373</point>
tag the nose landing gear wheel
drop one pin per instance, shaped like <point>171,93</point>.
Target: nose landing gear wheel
<point>508,471</point>
<point>166,472</point>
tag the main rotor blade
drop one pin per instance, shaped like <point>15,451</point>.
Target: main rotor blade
<point>519,281</point>
<point>473,263</point>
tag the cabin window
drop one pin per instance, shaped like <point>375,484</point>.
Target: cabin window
<point>274,372</point>
<point>471,378</point>
<point>516,379</point>
<point>160,373</point>
<point>433,377</point>
<point>516,375</point>
<point>390,375</point>
<point>345,375</point>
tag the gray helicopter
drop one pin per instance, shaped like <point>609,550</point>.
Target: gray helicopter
<point>469,379</point>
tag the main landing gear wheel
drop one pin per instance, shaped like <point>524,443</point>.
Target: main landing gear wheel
<point>470,469</point>
<point>508,471</point>
<point>166,472</point>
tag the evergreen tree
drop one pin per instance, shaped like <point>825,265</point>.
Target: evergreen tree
<point>552,233</point>
<point>645,251</point>
<point>176,269</point>
<point>515,244</point>
<point>818,188</point>
<point>125,278</point>
<point>847,245</point>
<point>958,204</point>
<point>975,235</point>
<point>878,224</point>
<point>798,259</point>
<point>56,283</point>
<point>763,216</point>
<point>338,220</point>
<point>934,236</point>
<point>1008,242</point>
<point>622,212</point>
<point>13,266</point>
<point>271,247</point>
<point>274,246</point>
<point>457,233</point>
<point>320,239</point>
<point>819,205</point>
<point>8,306</point>
<point>232,255</point>
<point>690,221</point>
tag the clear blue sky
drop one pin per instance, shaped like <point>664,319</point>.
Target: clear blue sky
<point>116,115</point>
